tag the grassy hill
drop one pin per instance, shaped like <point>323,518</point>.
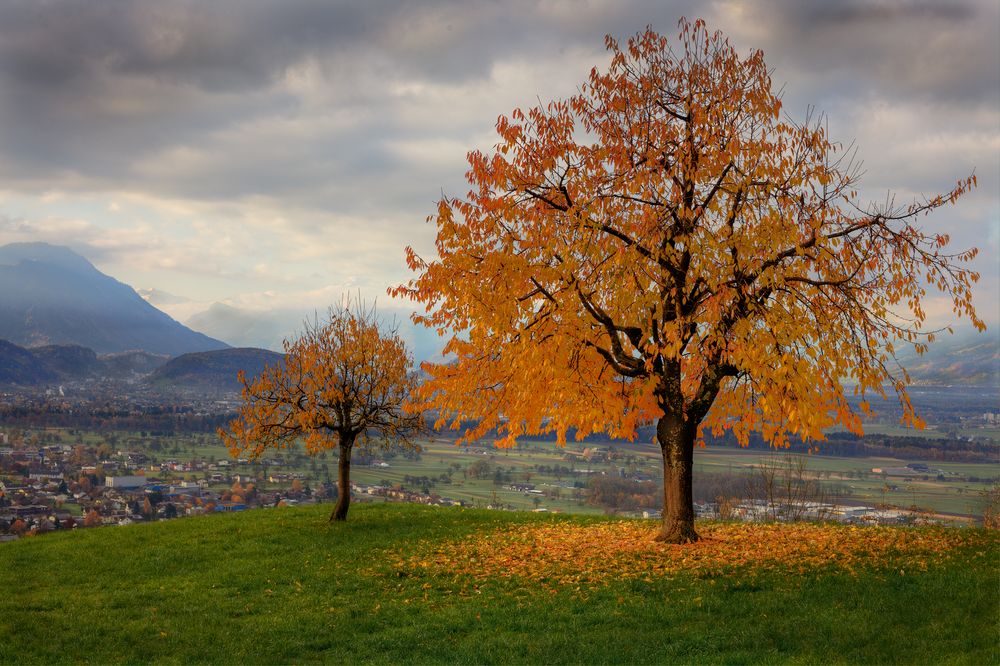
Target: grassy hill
<point>404,583</point>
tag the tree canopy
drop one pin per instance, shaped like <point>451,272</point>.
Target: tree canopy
<point>341,380</point>
<point>666,246</point>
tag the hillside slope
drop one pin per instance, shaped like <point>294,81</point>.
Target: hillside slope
<point>962,360</point>
<point>20,367</point>
<point>68,363</point>
<point>410,584</point>
<point>215,370</point>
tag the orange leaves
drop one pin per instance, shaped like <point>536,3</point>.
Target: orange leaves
<point>338,381</point>
<point>571,554</point>
<point>667,221</point>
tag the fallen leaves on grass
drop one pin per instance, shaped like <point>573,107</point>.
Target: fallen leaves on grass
<point>566,553</point>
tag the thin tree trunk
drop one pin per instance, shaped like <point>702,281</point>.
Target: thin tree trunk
<point>343,481</point>
<point>677,446</point>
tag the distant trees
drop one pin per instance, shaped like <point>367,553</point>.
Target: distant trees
<point>991,507</point>
<point>623,494</point>
<point>480,469</point>
<point>341,382</point>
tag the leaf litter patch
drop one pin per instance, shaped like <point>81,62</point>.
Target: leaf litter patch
<point>564,553</point>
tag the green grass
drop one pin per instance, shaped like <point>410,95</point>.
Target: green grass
<point>284,586</point>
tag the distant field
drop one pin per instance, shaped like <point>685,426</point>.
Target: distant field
<point>437,456</point>
<point>931,432</point>
<point>410,584</point>
<point>954,497</point>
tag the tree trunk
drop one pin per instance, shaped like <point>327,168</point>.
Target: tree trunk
<point>343,481</point>
<point>676,441</point>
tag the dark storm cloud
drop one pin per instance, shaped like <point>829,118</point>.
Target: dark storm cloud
<point>240,44</point>
<point>219,45</point>
<point>90,89</point>
<point>905,49</point>
<point>858,11</point>
<point>89,86</point>
<point>191,99</point>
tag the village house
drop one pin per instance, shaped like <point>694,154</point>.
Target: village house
<point>125,482</point>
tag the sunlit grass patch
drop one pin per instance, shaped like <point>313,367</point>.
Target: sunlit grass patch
<point>570,553</point>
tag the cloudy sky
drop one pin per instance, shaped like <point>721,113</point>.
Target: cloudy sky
<point>271,156</point>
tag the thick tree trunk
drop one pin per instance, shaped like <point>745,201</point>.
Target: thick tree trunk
<point>343,482</point>
<point>676,441</point>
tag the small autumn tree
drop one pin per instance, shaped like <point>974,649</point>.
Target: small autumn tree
<point>341,382</point>
<point>665,247</point>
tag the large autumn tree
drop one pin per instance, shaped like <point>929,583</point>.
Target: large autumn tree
<point>666,247</point>
<point>340,383</point>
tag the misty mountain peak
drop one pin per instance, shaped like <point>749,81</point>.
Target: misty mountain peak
<point>50,295</point>
<point>59,256</point>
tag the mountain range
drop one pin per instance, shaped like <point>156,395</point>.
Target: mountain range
<point>57,364</point>
<point>210,371</point>
<point>49,295</point>
<point>969,359</point>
